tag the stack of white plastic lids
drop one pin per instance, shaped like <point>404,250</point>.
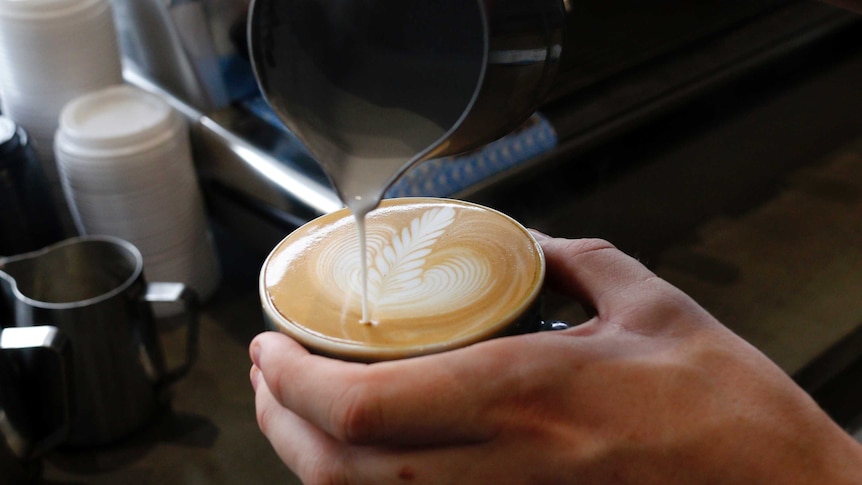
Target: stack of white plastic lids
<point>50,52</point>
<point>126,167</point>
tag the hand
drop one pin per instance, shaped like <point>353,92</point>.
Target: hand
<point>650,390</point>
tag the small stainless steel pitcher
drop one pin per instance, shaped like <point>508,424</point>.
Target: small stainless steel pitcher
<point>92,289</point>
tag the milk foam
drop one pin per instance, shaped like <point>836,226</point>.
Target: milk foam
<point>401,282</point>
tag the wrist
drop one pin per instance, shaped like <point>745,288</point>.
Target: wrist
<point>822,455</point>
<point>842,462</point>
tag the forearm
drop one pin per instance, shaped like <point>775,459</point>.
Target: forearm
<point>757,427</point>
<point>823,455</point>
<point>836,459</point>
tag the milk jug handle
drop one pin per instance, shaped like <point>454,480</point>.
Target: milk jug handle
<point>23,339</point>
<point>178,293</point>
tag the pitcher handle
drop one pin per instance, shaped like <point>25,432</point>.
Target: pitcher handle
<point>50,338</point>
<point>173,293</point>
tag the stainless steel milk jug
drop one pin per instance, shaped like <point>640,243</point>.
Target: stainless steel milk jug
<point>92,289</point>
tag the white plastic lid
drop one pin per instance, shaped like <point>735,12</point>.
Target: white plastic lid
<point>119,118</point>
<point>45,9</point>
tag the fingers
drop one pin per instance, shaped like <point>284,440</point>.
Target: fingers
<point>301,446</point>
<point>405,402</point>
<point>615,285</point>
<point>316,457</point>
<point>591,270</point>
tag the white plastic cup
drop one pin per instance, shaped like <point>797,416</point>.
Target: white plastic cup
<point>50,52</point>
<point>127,171</point>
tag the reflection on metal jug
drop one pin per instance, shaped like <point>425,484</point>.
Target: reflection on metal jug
<point>92,289</point>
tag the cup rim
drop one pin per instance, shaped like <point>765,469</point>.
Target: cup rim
<point>134,274</point>
<point>322,344</point>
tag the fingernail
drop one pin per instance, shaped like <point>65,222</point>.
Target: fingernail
<point>255,353</point>
<point>539,235</point>
<point>254,376</point>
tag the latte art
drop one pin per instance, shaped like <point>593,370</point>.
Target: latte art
<point>440,272</point>
<point>401,283</point>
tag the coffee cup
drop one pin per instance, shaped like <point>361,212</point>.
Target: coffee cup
<point>442,274</point>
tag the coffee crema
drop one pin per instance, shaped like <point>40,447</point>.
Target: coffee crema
<point>441,274</point>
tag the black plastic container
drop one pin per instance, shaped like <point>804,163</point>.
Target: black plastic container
<point>28,216</point>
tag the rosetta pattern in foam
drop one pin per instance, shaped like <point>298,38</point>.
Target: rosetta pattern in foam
<point>408,276</point>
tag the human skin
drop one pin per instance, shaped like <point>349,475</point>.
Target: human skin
<point>651,390</point>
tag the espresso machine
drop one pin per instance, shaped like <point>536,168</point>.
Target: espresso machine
<point>615,73</point>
